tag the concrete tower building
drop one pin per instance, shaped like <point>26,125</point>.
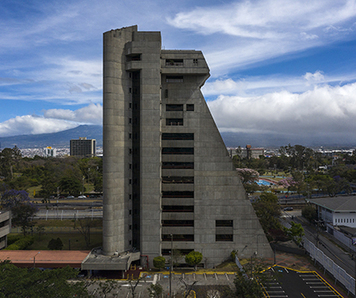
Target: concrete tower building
<point>167,173</point>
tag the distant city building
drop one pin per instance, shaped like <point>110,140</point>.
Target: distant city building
<point>168,180</point>
<point>247,152</point>
<point>83,147</point>
<point>49,152</point>
<point>5,226</point>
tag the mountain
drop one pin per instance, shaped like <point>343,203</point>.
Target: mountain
<point>231,139</point>
<point>57,140</point>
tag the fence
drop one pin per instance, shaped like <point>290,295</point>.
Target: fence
<point>336,271</point>
<point>68,214</point>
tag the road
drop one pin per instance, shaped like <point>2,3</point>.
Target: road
<point>330,249</point>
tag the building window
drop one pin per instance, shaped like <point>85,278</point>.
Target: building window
<point>130,166</point>
<point>190,107</point>
<point>195,61</point>
<point>130,181</point>
<point>130,136</point>
<point>174,107</point>
<point>224,237</point>
<point>174,79</point>
<point>178,151</point>
<point>178,136</point>
<point>130,227</point>
<point>171,208</point>
<point>166,93</point>
<point>130,90</point>
<point>177,165</point>
<point>130,120</point>
<point>130,105</point>
<point>177,194</point>
<point>133,57</point>
<point>178,223</point>
<point>174,62</point>
<point>178,179</point>
<point>174,121</point>
<point>223,223</point>
<point>178,237</point>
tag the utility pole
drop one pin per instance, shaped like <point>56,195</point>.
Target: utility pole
<point>170,268</point>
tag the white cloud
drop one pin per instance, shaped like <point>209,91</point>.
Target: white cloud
<point>259,85</point>
<point>247,32</point>
<point>23,125</point>
<point>324,109</point>
<point>53,120</point>
<point>92,114</point>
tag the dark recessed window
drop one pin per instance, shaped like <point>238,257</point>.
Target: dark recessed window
<point>170,208</point>
<point>178,223</point>
<point>195,61</point>
<point>190,107</point>
<point>178,179</point>
<point>174,121</point>
<point>174,62</point>
<point>174,107</point>
<point>166,251</point>
<point>224,223</point>
<point>224,237</point>
<point>178,151</point>
<point>174,79</point>
<point>178,136</point>
<point>134,57</point>
<point>178,237</point>
<point>166,93</point>
<point>177,194</point>
<point>177,165</point>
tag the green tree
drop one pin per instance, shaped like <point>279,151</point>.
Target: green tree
<point>155,291</point>
<point>21,282</point>
<point>268,211</point>
<point>55,244</point>
<point>22,215</point>
<point>194,258</point>
<point>71,185</point>
<point>247,287</point>
<point>159,262</point>
<point>309,213</point>
<point>295,232</point>
<point>21,208</point>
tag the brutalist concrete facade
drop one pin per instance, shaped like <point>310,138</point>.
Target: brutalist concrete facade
<point>166,169</point>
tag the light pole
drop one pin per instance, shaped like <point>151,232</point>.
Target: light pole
<point>34,260</point>
<point>254,254</point>
<point>170,268</point>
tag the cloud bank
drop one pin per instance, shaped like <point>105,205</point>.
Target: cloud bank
<point>322,110</point>
<point>53,120</point>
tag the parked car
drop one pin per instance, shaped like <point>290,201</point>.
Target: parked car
<point>288,209</point>
<point>71,197</point>
<point>82,197</point>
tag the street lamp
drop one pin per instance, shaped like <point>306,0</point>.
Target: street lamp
<point>254,254</point>
<point>34,260</point>
<point>170,268</point>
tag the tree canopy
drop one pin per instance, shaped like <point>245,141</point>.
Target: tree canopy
<point>22,282</point>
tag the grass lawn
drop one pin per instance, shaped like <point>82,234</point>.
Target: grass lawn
<point>76,240</point>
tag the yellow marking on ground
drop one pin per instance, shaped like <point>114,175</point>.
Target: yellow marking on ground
<point>302,295</point>
<point>330,286</point>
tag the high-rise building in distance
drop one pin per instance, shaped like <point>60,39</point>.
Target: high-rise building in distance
<point>168,179</point>
<point>83,147</point>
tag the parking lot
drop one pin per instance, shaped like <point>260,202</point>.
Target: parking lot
<point>283,282</point>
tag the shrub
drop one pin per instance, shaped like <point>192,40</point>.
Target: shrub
<point>159,262</point>
<point>21,244</point>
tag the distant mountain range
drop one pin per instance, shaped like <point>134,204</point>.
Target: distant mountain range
<point>57,139</point>
<point>62,139</point>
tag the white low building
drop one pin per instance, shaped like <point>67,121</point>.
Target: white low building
<point>337,211</point>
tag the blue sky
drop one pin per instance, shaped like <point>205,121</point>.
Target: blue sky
<point>281,66</point>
